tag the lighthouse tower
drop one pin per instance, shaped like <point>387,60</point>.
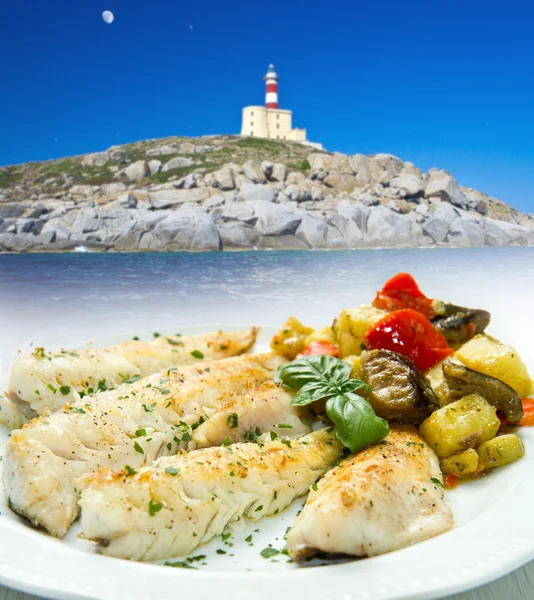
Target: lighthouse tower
<point>271,88</point>
<point>269,121</point>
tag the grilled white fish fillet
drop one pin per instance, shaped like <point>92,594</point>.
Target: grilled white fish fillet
<point>244,417</point>
<point>179,502</point>
<point>383,498</point>
<point>48,380</point>
<point>132,425</point>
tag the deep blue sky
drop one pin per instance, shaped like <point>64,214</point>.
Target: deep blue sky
<point>447,84</point>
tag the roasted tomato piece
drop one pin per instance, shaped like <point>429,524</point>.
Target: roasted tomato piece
<point>402,291</point>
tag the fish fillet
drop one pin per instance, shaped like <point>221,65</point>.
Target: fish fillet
<point>45,380</point>
<point>132,425</point>
<point>179,502</point>
<point>383,498</point>
<point>246,416</point>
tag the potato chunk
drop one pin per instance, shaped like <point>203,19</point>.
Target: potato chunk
<point>291,338</point>
<point>489,356</point>
<point>501,451</point>
<point>356,363</point>
<point>352,324</point>
<point>463,424</point>
<point>462,465</point>
<point>326,334</point>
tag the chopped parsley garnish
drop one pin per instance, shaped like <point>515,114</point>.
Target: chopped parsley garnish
<point>220,551</point>
<point>226,536</point>
<point>286,442</point>
<point>156,334</point>
<point>274,435</point>
<point>133,379</point>
<point>175,342</point>
<point>154,507</point>
<point>284,426</point>
<point>180,564</point>
<point>65,390</point>
<point>232,420</point>
<point>40,352</point>
<point>314,487</point>
<point>75,409</point>
<point>249,538</point>
<point>227,441</point>
<point>186,437</point>
<point>414,444</point>
<point>135,338</point>
<point>260,507</point>
<point>129,470</point>
<point>223,347</point>
<point>138,448</point>
<point>51,387</point>
<point>197,354</point>
<point>162,390</point>
<point>269,552</point>
<point>102,386</point>
<point>150,407</point>
<point>172,470</point>
<point>169,446</point>
<point>436,481</point>
<point>140,432</point>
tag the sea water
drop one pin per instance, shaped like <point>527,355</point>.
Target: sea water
<point>66,300</point>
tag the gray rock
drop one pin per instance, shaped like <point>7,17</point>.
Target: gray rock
<point>319,161</point>
<point>166,198</point>
<point>116,154</point>
<point>267,168</point>
<point>44,239</point>
<point>279,172</point>
<point>188,182</point>
<point>252,191</point>
<point>361,167</point>
<point>190,229</point>
<point>137,170</point>
<point>235,211</point>
<point>8,226</point>
<point>316,233</point>
<point>316,194</point>
<point>274,219</point>
<point>466,232</point>
<point>253,172</point>
<point>235,234</point>
<point>439,221</point>
<point>176,163</point>
<point>127,200</point>
<point>21,242</point>
<point>163,150</point>
<point>441,184</point>
<point>296,193</point>
<point>213,202</point>
<point>224,179</point>
<point>129,242</point>
<point>33,226</point>
<point>351,219</point>
<point>384,167</point>
<point>13,210</point>
<point>387,228</point>
<point>110,189</point>
<point>97,159</point>
<point>154,166</point>
<point>410,184</point>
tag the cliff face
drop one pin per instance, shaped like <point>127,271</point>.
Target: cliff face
<point>228,192</point>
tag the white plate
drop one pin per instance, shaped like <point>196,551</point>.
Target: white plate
<point>494,534</point>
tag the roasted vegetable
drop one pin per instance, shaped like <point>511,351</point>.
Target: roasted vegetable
<point>319,348</point>
<point>462,381</point>
<point>437,381</point>
<point>501,451</point>
<point>527,420</point>
<point>400,391</point>
<point>402,291</point>
<point>290,340</point>
<point>352,324</point>
<point>326,334</point>
<point>411,334</point>
<point>356,363</point>
<point>461,425</point>
<point>458,324</point>
<point>487,355</point>
<point>461,465</point>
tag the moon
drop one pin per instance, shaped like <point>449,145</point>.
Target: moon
<point>108,16</point>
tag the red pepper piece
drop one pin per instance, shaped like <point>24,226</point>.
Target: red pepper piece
<point>411,334</point>
<point>528,412</point>
<point>402,291</point>
<point>320,347</point>
<point>450,481</point>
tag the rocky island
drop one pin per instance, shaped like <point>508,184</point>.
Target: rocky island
<point>233,192</point>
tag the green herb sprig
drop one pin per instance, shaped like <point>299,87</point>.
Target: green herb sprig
<point>326,377</point>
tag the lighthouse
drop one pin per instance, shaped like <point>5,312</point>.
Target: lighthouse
<point>271,88</point>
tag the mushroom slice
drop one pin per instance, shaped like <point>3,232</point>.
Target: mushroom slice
<point>400,391</point>
<point>463,381</point>
<point>459,324</point>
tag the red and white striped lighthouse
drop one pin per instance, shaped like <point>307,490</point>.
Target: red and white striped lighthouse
<point>271,88</point>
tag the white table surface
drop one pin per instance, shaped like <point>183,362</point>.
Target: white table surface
<point>519,585</point>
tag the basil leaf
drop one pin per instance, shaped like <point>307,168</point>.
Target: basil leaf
<point>313,368</point>
<point>311,392</point>
<point>357,426</point>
